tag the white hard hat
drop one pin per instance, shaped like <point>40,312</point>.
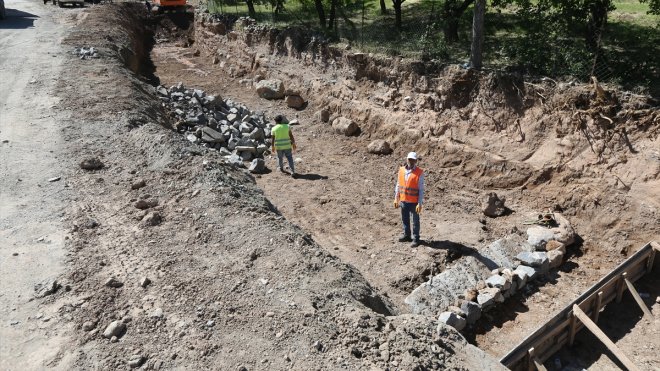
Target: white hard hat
<point>412,155</point>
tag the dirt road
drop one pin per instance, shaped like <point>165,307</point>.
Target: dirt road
<point>31,206</point>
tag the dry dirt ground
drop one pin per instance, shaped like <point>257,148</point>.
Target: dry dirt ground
<point>344,194</point>
<point>268,273</point>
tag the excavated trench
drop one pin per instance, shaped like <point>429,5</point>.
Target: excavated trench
<point>362,238</point>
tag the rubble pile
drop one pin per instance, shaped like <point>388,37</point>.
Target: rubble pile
<point>222,125</point>
<point>480,282</point>
<point>86,53</point>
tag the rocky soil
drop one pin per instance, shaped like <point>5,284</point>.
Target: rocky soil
<point>179,258</point>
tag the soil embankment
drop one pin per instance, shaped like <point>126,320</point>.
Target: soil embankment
<point>540,143</point>
<point>178,260</point>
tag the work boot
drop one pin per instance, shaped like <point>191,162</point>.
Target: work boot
<point>414,244</point>
<point>405,238</point>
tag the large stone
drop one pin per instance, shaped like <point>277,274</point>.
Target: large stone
<point>136,360</point>
<point>116,328</point>
<point>489,296</point>
<point>295,101</point>
<point>538,236</point>
<point>502,252</point>
<point>345,126</point>
<point>453,320</point>
<point>236,160</point>
<point>472,311</point>
<point>499,282</point>
<point>379,147</point>
<point>258,134</point>
<point>251,149</point>
<point>443,289</point>
<point>270,89</point>
<point>258,166</point>
<point>493,206</point>
<point>211,136</point>
<point>212,102</point>
<point>533,259</point>
<point>92,163</point>
<point>555,258</point>
<point>526,274</point>
<point>46,287</point>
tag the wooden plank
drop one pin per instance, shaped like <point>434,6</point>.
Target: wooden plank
<point>571,327</point>
<point>655,245</point>
<point>597,307</point>
<point>603,338</point>
<point>539,365</point>
<point>609,286</point>
<point>649,265</point>
<point>621,285</point>
<point>638,299</point>
<point>530,359</point>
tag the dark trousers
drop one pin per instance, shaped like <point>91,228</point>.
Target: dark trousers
<point>408,208</point>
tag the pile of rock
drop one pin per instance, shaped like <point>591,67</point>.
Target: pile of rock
<point>86,53</point>
<point>223,125</point>
<point>544,250</point>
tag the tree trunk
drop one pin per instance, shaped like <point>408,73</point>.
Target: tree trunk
<point>476,49</point>
<point>320,11</point>
<point>397,13</point>
<point>333,15</point>
<point>383,9</point>
<point>451,30</point>
<point>251,11</point>
<point>596,22</point>
<point>451,13</point>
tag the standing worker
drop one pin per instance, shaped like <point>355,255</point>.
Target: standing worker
<point>283,143</point>
<point>409,195</point>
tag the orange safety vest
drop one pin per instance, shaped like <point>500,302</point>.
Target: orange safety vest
<point>409,189</point>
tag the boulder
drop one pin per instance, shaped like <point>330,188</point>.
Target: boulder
<point>493,206</point>
<point>211,136</point>
<point>295,101</point>
<point>379,147</point>
<point>533,259</point>
<point>453,320</point>
<point>555,258</point>
<point>499,282</point>
<point>526,274</point>
<point>472,311</point>
<point>92,163</point>
<point>270,89</point>
<point>258,166</point>
<point>538,236</point>
<point>116,328</point>
<point>489,296</point>
<point>443,289</point>
<point>345,126</point>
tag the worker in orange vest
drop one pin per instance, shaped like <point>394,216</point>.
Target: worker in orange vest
<point>409,195</point>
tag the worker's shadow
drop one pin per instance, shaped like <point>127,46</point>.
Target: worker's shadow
<point>456,250</point>
<point>310,176</point>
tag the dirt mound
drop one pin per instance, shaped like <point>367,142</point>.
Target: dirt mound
<point>187,264</point>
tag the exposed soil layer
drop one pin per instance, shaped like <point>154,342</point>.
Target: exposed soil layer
<point>178,260</point>
<point>542,144</point>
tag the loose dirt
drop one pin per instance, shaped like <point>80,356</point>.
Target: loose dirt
<point>279,273</point>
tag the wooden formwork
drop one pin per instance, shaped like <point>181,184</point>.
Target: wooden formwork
<point>583,312</point>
